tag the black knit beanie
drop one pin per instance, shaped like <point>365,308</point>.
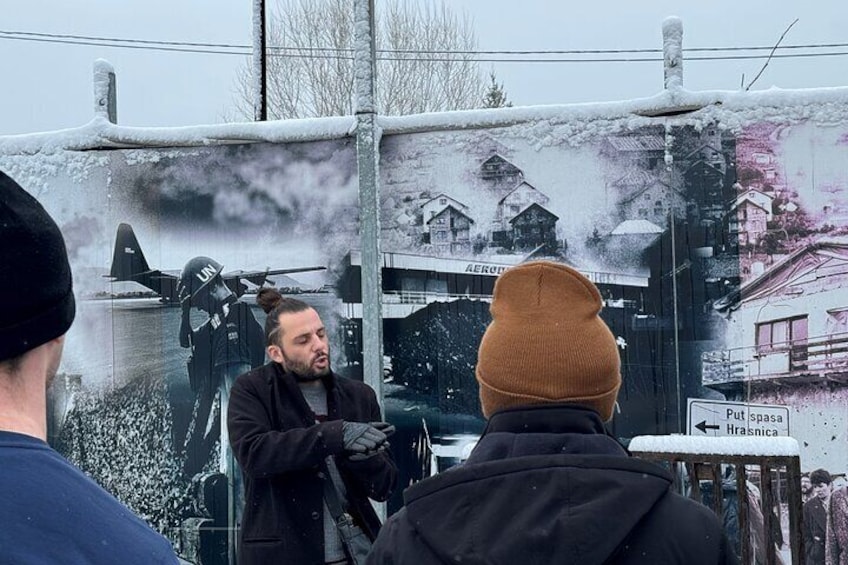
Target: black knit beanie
<point>36,296</point>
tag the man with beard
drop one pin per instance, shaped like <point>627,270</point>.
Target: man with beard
<point>806,488</point>
<point>50,512</point>
<point>294,424</point>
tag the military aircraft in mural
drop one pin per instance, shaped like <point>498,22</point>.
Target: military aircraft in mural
<point>129,264</point>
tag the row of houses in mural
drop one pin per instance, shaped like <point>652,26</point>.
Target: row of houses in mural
<point>521,222</point>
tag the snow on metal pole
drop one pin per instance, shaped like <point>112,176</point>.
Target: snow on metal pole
<point>260,63</point>
<point>367,158</point>
<point>672,30</point>
<point>105,91</point>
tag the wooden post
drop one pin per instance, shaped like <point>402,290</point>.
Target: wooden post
<point>105,91</point>
<point>260,62</point>
<point>672,30</point>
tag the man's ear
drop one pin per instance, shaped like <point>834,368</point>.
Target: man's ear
<point>275,353</point>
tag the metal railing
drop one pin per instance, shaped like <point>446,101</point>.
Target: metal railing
<point>720,465</point>
<point>423,297</point>
<point>822,356</point>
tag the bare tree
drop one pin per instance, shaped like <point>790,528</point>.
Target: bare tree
<point>425,60</point>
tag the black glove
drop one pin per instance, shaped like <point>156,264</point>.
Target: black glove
<point>369,454</point>
<point>359,437</point>
<point>384,427</point>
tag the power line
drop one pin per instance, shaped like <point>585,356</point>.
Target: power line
<point>122,46</point>
<point>420,51</point>
<point>328,52</point>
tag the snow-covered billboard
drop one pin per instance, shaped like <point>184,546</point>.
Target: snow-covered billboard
<point>716,241</point>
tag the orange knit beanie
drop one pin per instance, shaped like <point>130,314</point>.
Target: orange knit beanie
<point>547,343</point>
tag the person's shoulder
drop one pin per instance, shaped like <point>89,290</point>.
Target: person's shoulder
<point>353,385</point>
<point>256,376</point>
<point>676,506</point>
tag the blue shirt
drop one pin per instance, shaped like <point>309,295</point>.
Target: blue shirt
<point>51,512</point>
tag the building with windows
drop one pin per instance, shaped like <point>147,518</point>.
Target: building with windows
<point>789,327</point>
<point>450,231</point>
<point>437,204</point>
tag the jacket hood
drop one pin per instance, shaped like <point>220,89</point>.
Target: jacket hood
<point>575,500</point>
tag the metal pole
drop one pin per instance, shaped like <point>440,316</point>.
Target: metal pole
<point>260,63</point>
<point>367,159</point>
<point>367,148</point>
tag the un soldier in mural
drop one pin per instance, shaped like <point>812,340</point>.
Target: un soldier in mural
<point>230,342</point>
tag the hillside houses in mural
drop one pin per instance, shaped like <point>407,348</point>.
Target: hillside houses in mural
<point>498,172</point>
<point>437,204</point>
<point>449,231</point>
<point>534,229</point>
<point>515,201</point>
<point>643,150</point>
<point>644,195</point>
<point>749,216</point>
<point>483,207</point>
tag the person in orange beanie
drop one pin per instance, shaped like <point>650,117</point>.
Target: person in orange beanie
<point>546,483</point>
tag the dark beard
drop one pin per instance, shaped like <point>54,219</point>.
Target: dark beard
<point>305,378</point>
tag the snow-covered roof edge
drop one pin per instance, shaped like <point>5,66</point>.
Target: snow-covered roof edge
<point>758,446</point>
<point>731,109</point>
<point>99,133</point>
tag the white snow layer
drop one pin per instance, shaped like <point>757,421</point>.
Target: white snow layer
<point>548,125</point>
<point>759,446</point>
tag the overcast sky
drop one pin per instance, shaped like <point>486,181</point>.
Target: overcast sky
<point>48,86</point>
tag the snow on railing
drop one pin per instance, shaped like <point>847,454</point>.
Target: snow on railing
<point>756,446</point>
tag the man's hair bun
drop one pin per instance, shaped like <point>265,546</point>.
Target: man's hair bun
<point>268,299</point>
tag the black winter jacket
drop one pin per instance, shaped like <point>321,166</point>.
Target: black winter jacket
<point>546,485</point>
<point>281,450</point>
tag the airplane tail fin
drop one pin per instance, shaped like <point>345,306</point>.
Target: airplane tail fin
<point>128,261</point>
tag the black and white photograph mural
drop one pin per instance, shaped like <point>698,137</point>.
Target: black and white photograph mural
<point>168,249</point>
<point>721,256</point>
<point>638,211</point>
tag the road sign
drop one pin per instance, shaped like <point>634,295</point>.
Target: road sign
<point>722,418</point>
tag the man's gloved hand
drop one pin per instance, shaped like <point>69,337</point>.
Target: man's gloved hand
<point>369,454</point>
<point>359,437</point>
<point>384,427</point>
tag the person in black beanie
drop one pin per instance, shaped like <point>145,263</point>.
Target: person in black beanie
<point>50,511</point>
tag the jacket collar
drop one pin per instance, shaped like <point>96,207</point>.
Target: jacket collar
<point>546,418</point>
<point>288,382</point>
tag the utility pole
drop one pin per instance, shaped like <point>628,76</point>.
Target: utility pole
<point>368,158</point>
<point>260,63</point>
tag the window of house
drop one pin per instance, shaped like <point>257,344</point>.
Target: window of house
<point>443,201</point>
<point>514,209</point>
<point>781,335</point>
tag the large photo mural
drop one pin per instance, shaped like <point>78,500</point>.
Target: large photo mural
<point>720,255</point>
